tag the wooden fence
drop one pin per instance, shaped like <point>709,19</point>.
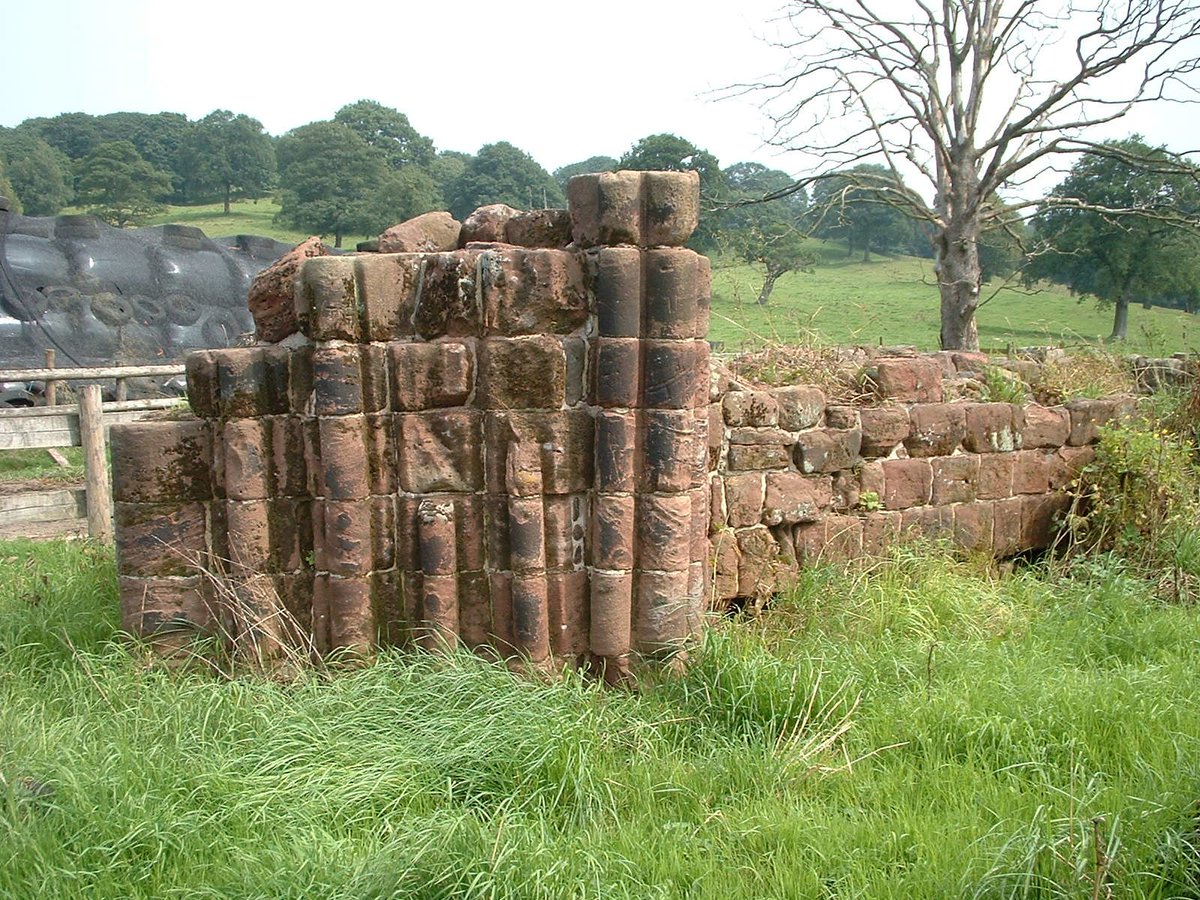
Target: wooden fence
<point>85,425</point>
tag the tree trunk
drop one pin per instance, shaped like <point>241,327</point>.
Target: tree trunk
<point>959,277</point>
<point>866,253</point>
<point>228,191</point>
<point>337,239</point>
<point>768,285</point>
<point>1120,319</point>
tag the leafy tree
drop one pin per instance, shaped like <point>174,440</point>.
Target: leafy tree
<point>159,138</point>
<point>975,95</point>
<point>502,173</point>
<point>446,167</point>
<point>1119,232</point>
<point>565,173</point>
<point>40,175</point>
<point>671,153</point>
<point>387,130</point>
<point>328,176</point>
<point>400,196</point>
<point>6,190</point>
<point>865,206</point>
<point>116,184</point>
<point>73,134</point>
<point>228,154</point>
<point>766,232</point>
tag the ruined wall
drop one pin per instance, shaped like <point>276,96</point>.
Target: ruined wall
<point>496,446</point>
<point>525,451</point>
<point>798,479</point>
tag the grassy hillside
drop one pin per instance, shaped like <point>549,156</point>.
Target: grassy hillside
<point>245,217</point>
<point>894,300</point>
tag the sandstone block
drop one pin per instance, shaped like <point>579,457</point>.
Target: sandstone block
<point>162,461</point>
<point>475,612</point>
<point>156,540</point>
<point>937,429</point>
<point>616,372</point>
<point>387,286</point>
<point>757,561</point>
<point>617,451</point>
<point>674,374</point>
<point>203,391</point>
<point>792,498</point>
<point>522,373</point>
<point>1041,518</point>
<point>910,380</point>
<point>880,531</point>
<point>883,428</point>
<point>1088,417</point>
<point>567,598</point>
<point>1031,472</point>
<point>248,526</point>
<point>290,534</point>
<point>161,606</point>
<point>799,406</point>
<point>439,451</point>
<point>616,277</point>
<point>726,562</point>
<point>246,459</point>
<point>993,427</point>
<point>753,409</point>
<point>337,380</point>
<point>566,520</point>
<point>973,526</point>
<point>827,450</point>
<point>565,438</point>
<point>665,617</point>
<point>242,384</point>
<point>539,228</point>
<point>531,616</point>
<point>995,476</point>
<point>843,538</point>
<point>344,472</point>
<point>667,450</point>
<point>744,498</point>
<point>344,545</point>
<point>379,441</point>
<point>431,375</point>
<point>1006,527</point>
<point>955,479</point>
<point>271,295</point>
<point>1045,427</point>
<point>611,613</point>
<point>486,224</point>
<point>447,304</point>
<point>531,291</point>
<point>673,282</point>
<point>289,463</point>
<point>349,610</point>
<point>752,457</point>
<point>648,209</point>
<point>663,532</point>
<point>432,232</point>
<point>327,299</point>
<point>613,529</point>
<point>907,482</point>
<point>930,523</point>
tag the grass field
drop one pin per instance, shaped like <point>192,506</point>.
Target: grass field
<point>926,729</point>
<point>893,300</point>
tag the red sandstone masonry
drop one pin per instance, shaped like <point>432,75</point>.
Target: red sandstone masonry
<point>525,451</point>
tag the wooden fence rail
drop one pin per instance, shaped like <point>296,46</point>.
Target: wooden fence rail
<point>84,426</point>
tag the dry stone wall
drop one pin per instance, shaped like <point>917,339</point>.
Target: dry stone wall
<point>796,478</point>
<point>525,451</point>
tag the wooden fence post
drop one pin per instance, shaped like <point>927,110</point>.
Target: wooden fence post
<point>51,386</point>
<point>95,463</point>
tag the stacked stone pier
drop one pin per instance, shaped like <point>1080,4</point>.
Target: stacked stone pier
<point>499,447</point>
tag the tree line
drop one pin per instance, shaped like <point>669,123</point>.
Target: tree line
<point>1121,227</point>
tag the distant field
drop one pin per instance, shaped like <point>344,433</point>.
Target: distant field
<point>245,217</point>
<point>893,300</point>
<point>844,301</point>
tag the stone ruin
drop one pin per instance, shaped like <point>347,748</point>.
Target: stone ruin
<point>525,451</point>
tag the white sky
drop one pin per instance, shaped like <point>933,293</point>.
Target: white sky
<point>562,81</point>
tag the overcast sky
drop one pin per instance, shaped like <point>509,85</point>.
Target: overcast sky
<point>563,81</point>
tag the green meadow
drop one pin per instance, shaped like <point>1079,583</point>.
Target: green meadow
<point>924,728</point>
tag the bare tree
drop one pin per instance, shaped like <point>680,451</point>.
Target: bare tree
<point>975,97</point>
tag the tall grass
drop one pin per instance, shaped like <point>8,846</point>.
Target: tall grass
<point>923,728</point>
